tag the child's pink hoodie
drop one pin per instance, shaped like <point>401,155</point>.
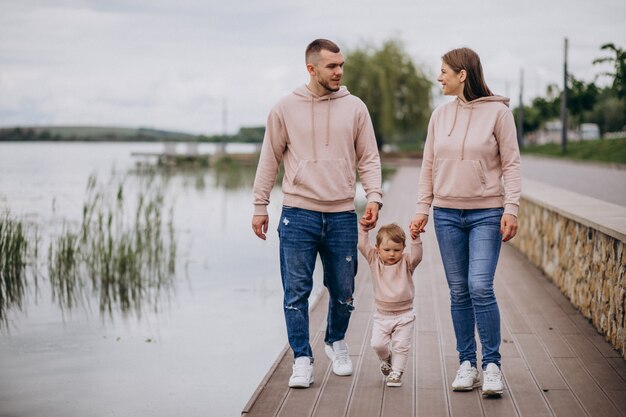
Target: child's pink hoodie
<point>320,140</point>
<point>393,284</point>
<point>471,157</point>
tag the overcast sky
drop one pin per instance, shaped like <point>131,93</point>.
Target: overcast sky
<point>177,64</point>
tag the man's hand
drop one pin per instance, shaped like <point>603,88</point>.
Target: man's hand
<point>370,217</point>
<point>260,225</point>
<point>508,227</point>
<point>418,225</point>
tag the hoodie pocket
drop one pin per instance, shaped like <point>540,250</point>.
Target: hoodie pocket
<point>324,180</point>
<point>454,178</point>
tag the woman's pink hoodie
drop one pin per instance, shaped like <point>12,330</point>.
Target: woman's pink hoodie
<point>471,157</point>
<point>321,141</point>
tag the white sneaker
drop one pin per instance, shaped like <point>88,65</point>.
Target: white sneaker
<point>466,378</point>
<point>492,380</point>
<point>302,374</point>
<point>394,379</point>
<point>338,353</point>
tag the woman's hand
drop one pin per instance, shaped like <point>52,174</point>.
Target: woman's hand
<point>508,227</point>
<point>418,225</point>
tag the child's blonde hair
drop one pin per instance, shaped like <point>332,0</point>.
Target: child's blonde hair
<point>392,232</point>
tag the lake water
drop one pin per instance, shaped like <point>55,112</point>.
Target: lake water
<point>201,349</point>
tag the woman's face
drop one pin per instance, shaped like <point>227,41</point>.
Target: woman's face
<point>451,82</point>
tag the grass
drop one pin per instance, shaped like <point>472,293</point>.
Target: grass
<point>602,150</point>
<point>15,255</point>
<point>125,255</point>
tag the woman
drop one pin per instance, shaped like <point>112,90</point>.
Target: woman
<point>471,176</point>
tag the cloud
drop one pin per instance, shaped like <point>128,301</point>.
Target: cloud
<point>179,65</point>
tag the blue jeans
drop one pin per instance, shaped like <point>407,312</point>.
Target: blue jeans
<point>469,242</point>
<point>303,234</point>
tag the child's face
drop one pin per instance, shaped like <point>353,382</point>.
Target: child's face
<point>389,251</point>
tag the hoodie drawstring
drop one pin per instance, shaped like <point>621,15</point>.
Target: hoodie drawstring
<point>469,120</point>
<point>328,122</point>
<point>456,109</point>
<point>313,130</point>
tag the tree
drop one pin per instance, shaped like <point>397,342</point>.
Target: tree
<point>582,97</point>
<point>619,67</point>
<point>397,94</point>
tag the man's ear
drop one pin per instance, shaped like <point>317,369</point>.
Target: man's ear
<point>311,69</point>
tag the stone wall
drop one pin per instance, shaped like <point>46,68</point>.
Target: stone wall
<point>585,260</point>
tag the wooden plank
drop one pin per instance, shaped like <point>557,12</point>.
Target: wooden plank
<point>367,395</point>
<point>301,402</point>
<point>429,366</point>
<point>564,403</point>
<point>619,400</point>
<point>619,365</point>
<point>543,370</point>
<point>549,335</point>
<point>464,403</point>
<point>527,397</point>
<point>591,397</point>
<point>431,403</point>
<point>337,392</point>
<point>596,364</point>
<point>399,401</point>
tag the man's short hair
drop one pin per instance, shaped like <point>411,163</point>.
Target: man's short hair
<point>313,50</point>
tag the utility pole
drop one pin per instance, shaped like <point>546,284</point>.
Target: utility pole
<point>520,111</point>
<point>564,104</point>
<point>224,116</point>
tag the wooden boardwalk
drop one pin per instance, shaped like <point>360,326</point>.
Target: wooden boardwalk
<point>554,362</point>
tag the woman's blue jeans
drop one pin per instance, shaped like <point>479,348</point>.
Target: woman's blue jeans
<point>303,235</point>
<point>469,242</point>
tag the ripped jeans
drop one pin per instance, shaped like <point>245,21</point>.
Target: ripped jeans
<point>303,234</point>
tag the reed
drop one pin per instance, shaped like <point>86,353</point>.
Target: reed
<point>124,251</point>
<point>13,261</point>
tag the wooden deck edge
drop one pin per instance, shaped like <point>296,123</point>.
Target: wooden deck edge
<point>257,393</point>
<point>281,356</point>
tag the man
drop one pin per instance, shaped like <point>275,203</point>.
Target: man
<point>321,132</point>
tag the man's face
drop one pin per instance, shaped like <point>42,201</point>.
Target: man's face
<point>328,70</point>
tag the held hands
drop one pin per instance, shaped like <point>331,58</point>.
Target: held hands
<point>260,225</point>
<point>418,225</point>
<point>508,227</point>
<point>370,217</point>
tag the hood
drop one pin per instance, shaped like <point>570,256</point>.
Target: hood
<point>306,94</point>
<point>471,105</point>
<point>486,99</point>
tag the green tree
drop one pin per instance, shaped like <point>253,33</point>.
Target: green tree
<point>396,92</point>
<point>582,97</point>
<point>618,61</point>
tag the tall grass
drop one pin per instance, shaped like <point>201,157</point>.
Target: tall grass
<point>13,262</point>
<point>125,255</point>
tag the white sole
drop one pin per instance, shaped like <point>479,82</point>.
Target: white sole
<point>477,384</point>
<point>492,393</point>
<point>301,385</point>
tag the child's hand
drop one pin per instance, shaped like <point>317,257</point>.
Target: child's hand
<point>363,223</point>
<point>415,231</point>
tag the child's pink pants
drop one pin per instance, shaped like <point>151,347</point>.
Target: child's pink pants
<point>392,333</point>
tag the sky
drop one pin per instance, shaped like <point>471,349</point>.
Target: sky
<point>211,67</point>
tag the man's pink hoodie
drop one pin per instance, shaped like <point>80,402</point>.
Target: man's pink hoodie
<point>320,140</point>
<point>471,157</point>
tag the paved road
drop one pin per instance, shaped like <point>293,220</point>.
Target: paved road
<point>602,182</point>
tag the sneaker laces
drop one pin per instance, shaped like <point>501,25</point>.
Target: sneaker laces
<point>394,375</point>
<point>300,370</point>
<point>464,372</point>
<point>342,357</point>
<point>492,377</point>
